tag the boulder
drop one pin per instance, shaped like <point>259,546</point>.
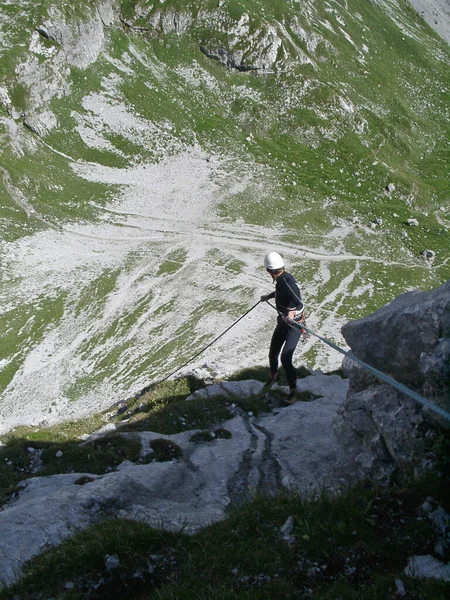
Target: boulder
<point>434,368</point>
<point>393,338</point>
<point>427,567</point>
<point>429,256</point>
<point>384,430</point>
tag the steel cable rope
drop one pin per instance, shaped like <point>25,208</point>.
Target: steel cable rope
<point>379,374</point>
<point>151,385</point>
<point>211,343</point>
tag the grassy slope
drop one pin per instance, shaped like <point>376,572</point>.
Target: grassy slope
<point>397,133</point>
<point>399,95</point>
<point>325,141</point>
<point>340,550</point>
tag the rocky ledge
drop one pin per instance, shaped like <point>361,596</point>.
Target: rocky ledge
<point>341,430</point>
<point>292,447</point>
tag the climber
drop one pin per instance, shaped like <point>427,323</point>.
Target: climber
<point>290,307</point>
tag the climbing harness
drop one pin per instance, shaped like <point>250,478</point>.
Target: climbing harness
<point>300,320</point>
<point>299,317</point>
<point>399,386</point>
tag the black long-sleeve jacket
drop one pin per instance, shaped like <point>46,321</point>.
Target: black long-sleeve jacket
<point>287,294</point>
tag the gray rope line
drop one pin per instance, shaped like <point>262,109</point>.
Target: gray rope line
<point>399,386</point>
<point>211,343</point>
<point>147,388</point>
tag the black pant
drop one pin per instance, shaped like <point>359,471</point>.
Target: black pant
<point>289,337</point>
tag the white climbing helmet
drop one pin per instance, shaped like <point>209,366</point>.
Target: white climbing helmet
<point>273,261</point>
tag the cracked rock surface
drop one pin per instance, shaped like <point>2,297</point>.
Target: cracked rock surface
<point>292,447</point>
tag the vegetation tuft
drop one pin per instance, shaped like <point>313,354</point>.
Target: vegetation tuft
<point>164,450</point>
<point>222,434</point>
<point>98,456</point>
<point>201,437</point>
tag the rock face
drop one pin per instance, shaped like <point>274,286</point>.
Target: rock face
<point>238,43</point>
<point>81,41</point>
<point>292,447</point>
<point>246,50</point>
<point>45,71</point>
<point>409,339</point>
<point>171,21</point>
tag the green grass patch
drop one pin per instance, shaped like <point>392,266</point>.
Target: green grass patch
<point>257,372</point>
<point>222,434</point>
<point>98,456</point>
<point>164,450</point>
<point>63,432</point>
<point>19,457</point>
<point>174,417</point>
<point>164,409</point>
<point>203,437</point>
<point>22,447</point>
<point>28,321</point>
<point>353,545</point>
<point>82,560</point>
<point>173,262</point>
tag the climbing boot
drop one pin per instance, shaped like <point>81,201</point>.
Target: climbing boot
<point>271,381</point>
<point>291,398</point>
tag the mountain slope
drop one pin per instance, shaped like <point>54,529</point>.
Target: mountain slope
<point>153,152</point>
